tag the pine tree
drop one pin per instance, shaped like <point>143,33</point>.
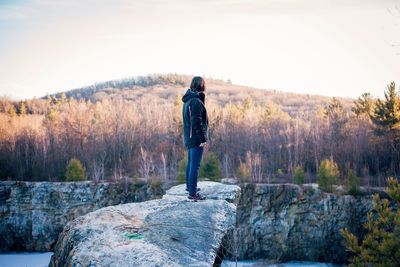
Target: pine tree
<point>364,105</point>
<point>211,168</point>
<point>75,171</point>
<point>63,98</point>
<point>11,111</point>
<point>381,245</point>
<point>334,110</point>
<point>298,176</point>
<point>22,109</point>
<point>386,117</point>
<point>337,118</point>
<point>387,112</point>
<point>328,172</point>
<point>182,170</point>
<point>352,183</point>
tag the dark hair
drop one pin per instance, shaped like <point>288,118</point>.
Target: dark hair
<point>198,84</point>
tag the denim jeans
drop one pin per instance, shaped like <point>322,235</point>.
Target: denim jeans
<point>195,155</point>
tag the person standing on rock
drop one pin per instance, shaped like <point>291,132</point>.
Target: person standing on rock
<point>195,133</point>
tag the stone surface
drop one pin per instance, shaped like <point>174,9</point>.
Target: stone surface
<point>211,190</point>
<point>171,231</point>
<point>32,214</point>
<point>285,222</point>
<point>280,222</point>
<point>229,181</point>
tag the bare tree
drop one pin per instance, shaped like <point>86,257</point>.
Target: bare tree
<point>97,170</point>
<point>164,167</point>
<point>147,165</point>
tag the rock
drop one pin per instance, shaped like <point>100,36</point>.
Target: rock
<point>229,181</point>
<point>338,189</point>
<point>284,222</point>
<point>171,231</point>
<point>32,214</point>
<point>211,190</point>
<point>279,222</point>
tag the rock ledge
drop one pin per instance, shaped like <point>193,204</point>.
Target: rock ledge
<point>171,231</point>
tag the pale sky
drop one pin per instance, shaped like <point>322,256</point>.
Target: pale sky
<point>327,47</point>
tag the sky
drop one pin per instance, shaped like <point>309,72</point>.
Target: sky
<point>327,47</point>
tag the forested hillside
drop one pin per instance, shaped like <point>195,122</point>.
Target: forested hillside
<point>132,127</point>
<point>164,87</point>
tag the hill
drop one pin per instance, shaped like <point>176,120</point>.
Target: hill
<point>161,87</point>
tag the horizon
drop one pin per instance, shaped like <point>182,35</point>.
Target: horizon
<point>306,47</point>
<point>206,78</point>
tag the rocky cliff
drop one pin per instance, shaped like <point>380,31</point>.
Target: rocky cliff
<point>285,222</point>
<point>32,214</point>
<point>274,221</point>
<point>172,231</point>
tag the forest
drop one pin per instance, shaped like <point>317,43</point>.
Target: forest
<point>132,128</point>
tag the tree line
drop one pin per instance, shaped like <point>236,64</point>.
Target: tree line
<point>141,136</point>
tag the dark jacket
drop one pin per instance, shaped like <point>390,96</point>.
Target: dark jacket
<point>195,120</point>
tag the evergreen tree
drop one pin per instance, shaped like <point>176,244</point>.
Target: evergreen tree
<point>387,112</point>
<point>328,172</point>
<point>334,110</point>
<point>182,170</point>
<point>352,183</point>
<point>11,111</point>
<point>337,118</point>
<point>63,99</point>
<point>211,168</point>
<point>386,117</point>
<point>22,109</point>
<point>273,111</point>
<point>364,105</point>
<point>75,170</point>
<point>298,176</point>
<point>381,245</point>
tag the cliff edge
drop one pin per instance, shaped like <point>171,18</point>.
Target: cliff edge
<point>171,231</point>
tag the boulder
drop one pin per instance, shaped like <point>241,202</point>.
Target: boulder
<point>172,231</point>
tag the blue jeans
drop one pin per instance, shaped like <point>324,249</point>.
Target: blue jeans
<point>195,155</point>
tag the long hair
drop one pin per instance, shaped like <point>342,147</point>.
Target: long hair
<point>198,84</point>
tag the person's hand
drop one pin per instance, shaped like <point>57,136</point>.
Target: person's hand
<point>203,144</point>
